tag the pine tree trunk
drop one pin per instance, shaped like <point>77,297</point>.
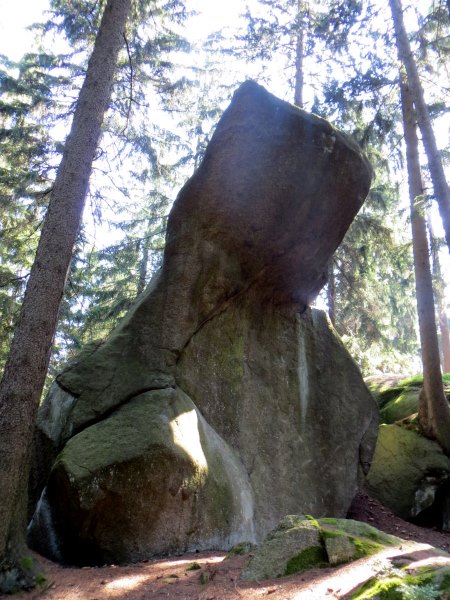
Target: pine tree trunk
<point>445,337</point>
<point>434,412</point>
<point>143,269</point>
<point>441,189</point>
<point>26,367</point>
<point>439,286</point>
<point>299,55</point>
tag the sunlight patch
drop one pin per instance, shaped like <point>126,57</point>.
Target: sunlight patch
<point>130,582</point>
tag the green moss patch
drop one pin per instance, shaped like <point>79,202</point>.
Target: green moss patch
<point>26,563</point>
<point>313,521</point>
<point>315,556</point>
<point>400,407</point>
<point>384,589</point>
<point>429,584</point>
<point>366,547</point>
<point>357,530</point>
<point>400,401</point>
<point>240,549</point>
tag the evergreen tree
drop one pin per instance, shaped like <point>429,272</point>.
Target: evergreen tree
<point>26,172</point>
<point>441,188</point>
<point>434,413</point>
<point>138,157</point>
<point>27,363</point>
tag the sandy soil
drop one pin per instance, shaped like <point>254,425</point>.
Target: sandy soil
<point>217,578</point>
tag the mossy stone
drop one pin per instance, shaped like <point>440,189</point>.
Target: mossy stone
<point>117,484</point>
<point>403,405</point>
<point>294,536</point>
<point>314,556</point>
<point>402,462</point>
<point>301,542</point>
<point>241,549</point>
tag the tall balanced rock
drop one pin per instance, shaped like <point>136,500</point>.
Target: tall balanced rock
<point>220,403</point>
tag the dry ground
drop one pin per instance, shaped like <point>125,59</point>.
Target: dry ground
<point>218,578</point>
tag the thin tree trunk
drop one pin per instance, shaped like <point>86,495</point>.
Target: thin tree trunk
<point>439,287</point>
<point>299,55</point>
<point>331,294</point>
<point>440,186</point>
<point>143,268</point>
<point>26,367</point>
<point>434,413</point>
<point>445,337</point>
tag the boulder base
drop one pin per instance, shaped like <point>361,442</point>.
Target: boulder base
<point>153,478</point>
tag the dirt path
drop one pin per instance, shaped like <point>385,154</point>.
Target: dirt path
<point>217,578</point>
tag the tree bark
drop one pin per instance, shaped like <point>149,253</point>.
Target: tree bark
<point>439,287</point>
<point>26,367</point>
<point>440,186</point>
<point>434,413</point>
<point>299,55</point>
<point>143,268</point>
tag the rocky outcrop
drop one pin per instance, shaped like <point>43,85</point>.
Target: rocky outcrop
<point>408,472</point>
<point>237,403</point>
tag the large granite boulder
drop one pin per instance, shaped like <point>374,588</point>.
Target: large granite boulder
<point>237,403</point>
<point>288,397</point>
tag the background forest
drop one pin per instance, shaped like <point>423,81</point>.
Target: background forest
<point>174,77</point>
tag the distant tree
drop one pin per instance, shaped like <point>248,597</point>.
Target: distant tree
<point>440,185</point>
<point>135,172</point>
<point>434,412</point>
<point>27,363</point>
<point>439,288</point>
<point>370,293</point>
<point>26,174</point>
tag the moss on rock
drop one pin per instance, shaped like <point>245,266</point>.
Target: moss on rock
<point>403,405</point>
<point>301,542</point>
<point>241,549</point>
<point>405,462</point>
<point>314,556</point>
<point>402,586</point>
<point>117,484</point>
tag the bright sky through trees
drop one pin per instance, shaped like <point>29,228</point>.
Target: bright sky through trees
<point>16,16</point>
<point>15,39</point>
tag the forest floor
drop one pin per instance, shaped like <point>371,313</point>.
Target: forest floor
<point>218,578</point>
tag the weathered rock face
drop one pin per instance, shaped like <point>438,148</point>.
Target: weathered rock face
<point>220,403</point>
<point>284,392</point>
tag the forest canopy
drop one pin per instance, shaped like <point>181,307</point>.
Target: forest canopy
<point>175,75</point>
